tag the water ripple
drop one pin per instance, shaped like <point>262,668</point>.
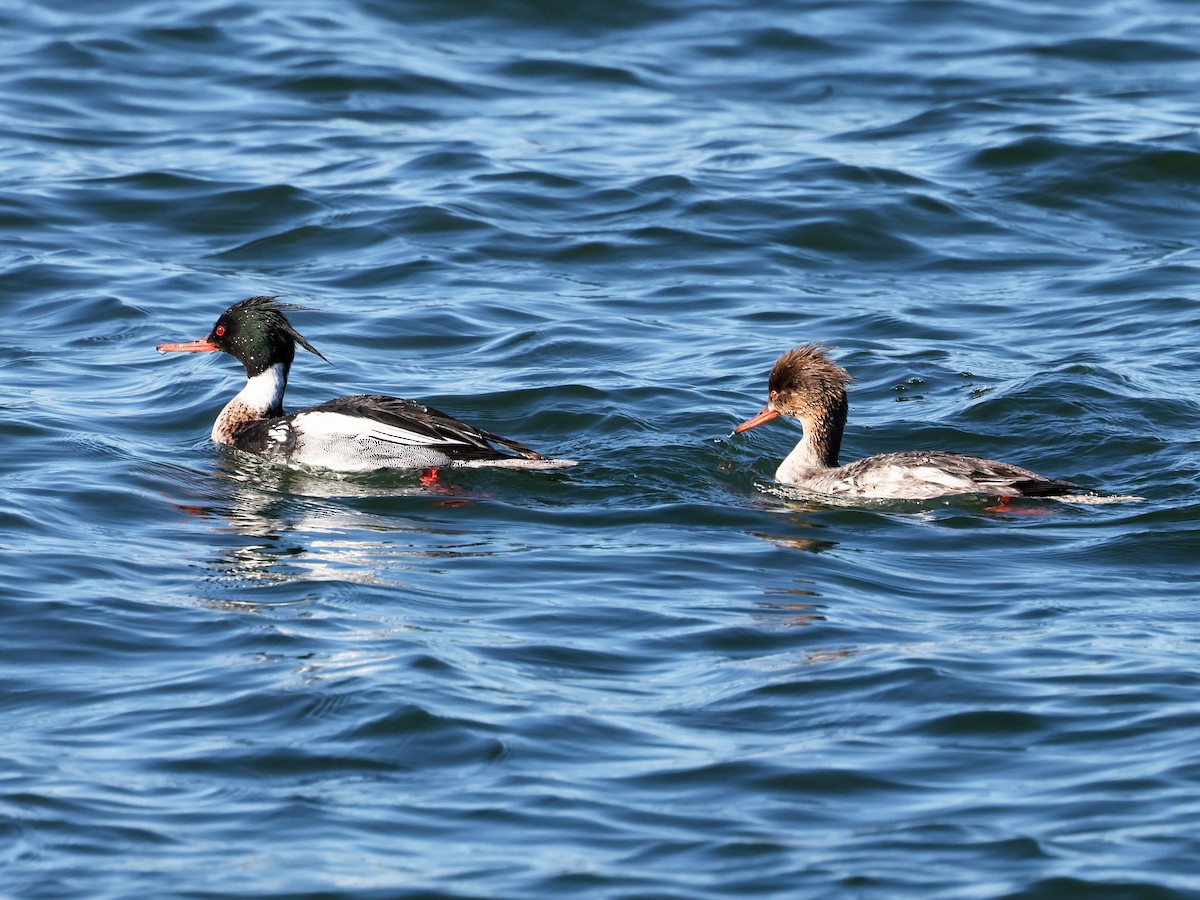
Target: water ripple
<point>594,228</point>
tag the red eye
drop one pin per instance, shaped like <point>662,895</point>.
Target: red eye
<point>219,330</point>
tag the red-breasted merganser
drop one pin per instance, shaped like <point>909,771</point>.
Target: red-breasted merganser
<point>360,433</point>
<point>805,384</point>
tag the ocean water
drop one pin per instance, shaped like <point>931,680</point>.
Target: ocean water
<point>593,227</point>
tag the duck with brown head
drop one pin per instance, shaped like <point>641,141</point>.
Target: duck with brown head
<point>807,385</point>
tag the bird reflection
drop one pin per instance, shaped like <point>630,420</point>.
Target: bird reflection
<point>798,515</point>
<point>799,607</point>
<point>293,529</point>
<point>794,613</point>
<point>789,542</point>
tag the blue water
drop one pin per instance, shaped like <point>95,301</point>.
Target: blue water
<point>593,227</point>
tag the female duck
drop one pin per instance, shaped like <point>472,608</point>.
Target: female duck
<point>805,384</point>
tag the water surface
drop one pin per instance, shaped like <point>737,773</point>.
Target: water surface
<point>593,228</point>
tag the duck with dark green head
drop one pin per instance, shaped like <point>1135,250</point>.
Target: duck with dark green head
<point>358,433</point>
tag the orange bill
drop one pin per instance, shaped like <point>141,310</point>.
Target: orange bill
<point>189,347</point>
<point>766,415</point>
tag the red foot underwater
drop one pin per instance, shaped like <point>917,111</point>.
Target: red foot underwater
<point>431,479</point>
<point>1002,506</point>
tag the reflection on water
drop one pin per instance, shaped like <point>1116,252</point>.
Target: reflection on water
<point>304,527</point>
<point>789,615</point>
<point>808,545</point>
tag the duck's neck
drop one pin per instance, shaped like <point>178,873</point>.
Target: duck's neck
<point>261,398</point>
<point>818,449</point>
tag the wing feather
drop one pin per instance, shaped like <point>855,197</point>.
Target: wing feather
<point>406,422</point>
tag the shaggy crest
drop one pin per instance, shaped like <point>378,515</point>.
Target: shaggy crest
<point>810,369</point>
<point>258,318</point>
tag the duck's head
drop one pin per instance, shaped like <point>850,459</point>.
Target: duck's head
<point>804,384</point>
<point>256,332</point>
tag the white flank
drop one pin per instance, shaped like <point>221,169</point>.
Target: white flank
<point>1097,499</point>
<point>320,422</point>
<point>514,462</point>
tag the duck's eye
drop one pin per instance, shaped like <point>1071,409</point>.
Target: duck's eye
<point>219,331</point>
<point>772,394</point>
